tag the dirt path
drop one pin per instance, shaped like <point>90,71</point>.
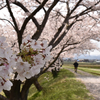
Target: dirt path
<point>92,82</point>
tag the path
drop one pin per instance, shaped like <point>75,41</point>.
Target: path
<point>92,82</point>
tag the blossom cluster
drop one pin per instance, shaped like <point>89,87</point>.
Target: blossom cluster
<point>5,65</point>
<point>33,56</point>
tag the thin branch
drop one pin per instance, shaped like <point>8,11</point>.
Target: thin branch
<point>31,15</point>
<point>75,43</point>
<point>8,22</point>
<point>89,9</point>
<point>77,4</point>
<point>93,17</point>
<point>12,16</point>
<point>40,3</point>
<point>68,9</point>
<point>59,13</point>
<point>3,7</point>
<point>53,61</point>
<point>26,10</point>
<point>38,33</point>
<point>69,49</point>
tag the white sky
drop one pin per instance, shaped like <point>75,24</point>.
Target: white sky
<point>95,52</point>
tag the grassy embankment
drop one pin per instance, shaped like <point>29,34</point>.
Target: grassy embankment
<point>92,68</point>
<point>63,87</point>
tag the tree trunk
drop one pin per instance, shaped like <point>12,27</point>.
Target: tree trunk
<point>24,95</point>
<point>15,90</point>
<point>37,85</point>
<point>3,98</point>
<point>7,93</point>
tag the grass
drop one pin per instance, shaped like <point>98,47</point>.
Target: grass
<point>92,68</point>
<point>84,64</point>
<point>63,87</point>
<point>95,72</point>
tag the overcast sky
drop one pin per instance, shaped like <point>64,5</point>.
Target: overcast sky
<point>96,52</point>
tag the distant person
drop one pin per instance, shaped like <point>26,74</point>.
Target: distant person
<point>75,66</point>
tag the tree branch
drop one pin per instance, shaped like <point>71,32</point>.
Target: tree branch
<point>31,15</point>
<point>40,3</point>
<point>26,86</point>
<point>63,47</point>
<point>69,26</point>
<point>26,10</point>
<point>8,22</point>
<point>59,30</point>
<point>68,9</point>
<point>12,16</point>
<point>15,90</point>
<point>77,4</point>
<point>85,11</point>
<point>52,61</point>
<point>38,33</point>
<point>69,49</point>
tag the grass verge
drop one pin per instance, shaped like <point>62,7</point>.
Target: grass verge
<point>63,87</point>
<point>86,69</point>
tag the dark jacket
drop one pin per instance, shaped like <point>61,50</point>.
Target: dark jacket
<point>75,64</point>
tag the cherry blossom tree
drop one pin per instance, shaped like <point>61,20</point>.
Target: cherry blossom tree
<point>56,26</point>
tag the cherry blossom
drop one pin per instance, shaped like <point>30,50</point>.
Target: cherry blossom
<point>33,56</point>
<point>5,67</point>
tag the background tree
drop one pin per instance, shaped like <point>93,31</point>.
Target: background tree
<point>68,25</point>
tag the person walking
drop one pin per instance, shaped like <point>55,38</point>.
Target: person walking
<point>75,66</point>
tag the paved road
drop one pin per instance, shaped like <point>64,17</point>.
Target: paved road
<point>92,82</point>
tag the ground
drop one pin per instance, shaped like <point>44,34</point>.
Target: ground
<point>92,82</point>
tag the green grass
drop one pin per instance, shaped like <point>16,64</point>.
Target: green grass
<point>84,64</point>
<point>90,68</point>
<point>63,87</point>
<point>95,72</point>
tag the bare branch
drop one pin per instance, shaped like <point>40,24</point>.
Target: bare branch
<point>38,33</point>
<point>12,16</point>
<point>59,13</point>
<point>43,7</point>
<point>93,17</point>
<point>26,10</point>
<point>77,4</point>
<point>86,11</point>
<point>9,22</point>
<point>68,9</point>
<point>31,15</point>
<point>69,49</point>
<point>3,7</point>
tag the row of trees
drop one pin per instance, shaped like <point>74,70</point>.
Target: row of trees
<point>68,25</point>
